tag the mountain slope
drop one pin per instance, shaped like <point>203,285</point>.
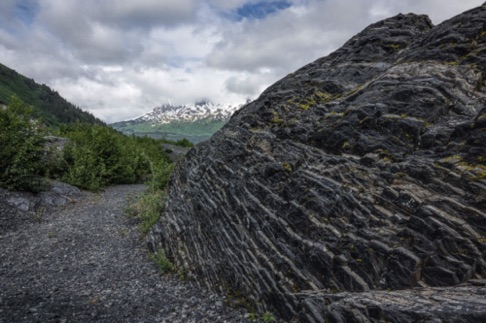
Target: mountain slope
<point>48,105</point>
<point>195,122</point>
<point>357,176</point>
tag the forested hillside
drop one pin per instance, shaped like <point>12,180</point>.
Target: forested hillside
<point>90,154</point>
<point>47,104</point>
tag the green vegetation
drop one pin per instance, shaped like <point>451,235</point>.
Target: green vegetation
<point>184,142</point>
<point>93,157</point>
<point>313,99</point>
<point>268,317</point>
<point>395,46</point>
<point>265,317</point>
<point>287,167</point>
<point>346,145</point>
<point>96,155</point>
<point>277,119</point>
<point>307,104</point>
<point>452,63</point>
<point>147,208</point>
<point>477,172</point>
<point>22,150</point>
<point>165,266</point>
<point>47,105</point>
<point>194,131</point>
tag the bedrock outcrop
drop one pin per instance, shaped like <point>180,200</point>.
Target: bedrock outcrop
<point>353,189</point>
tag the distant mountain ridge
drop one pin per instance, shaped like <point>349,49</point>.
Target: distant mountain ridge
<point>48,105</point>
<point>196,122</point>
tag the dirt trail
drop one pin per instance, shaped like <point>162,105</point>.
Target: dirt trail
<point>85,262</point>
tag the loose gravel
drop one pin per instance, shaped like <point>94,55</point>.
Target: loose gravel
<point>85,262</point>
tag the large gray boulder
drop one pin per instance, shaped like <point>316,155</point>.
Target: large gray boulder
<point>352,190</point>
<point>18,209</point>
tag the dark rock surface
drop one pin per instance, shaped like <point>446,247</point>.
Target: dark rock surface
<point>352,190</point>
<point>175,152</point>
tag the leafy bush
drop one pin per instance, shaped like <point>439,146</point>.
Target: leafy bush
<point>22,148</point>
<point>94,157</point>
<point>184,143</point>
<point>98,156</point>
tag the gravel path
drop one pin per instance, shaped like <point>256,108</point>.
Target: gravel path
<point>85,262</point>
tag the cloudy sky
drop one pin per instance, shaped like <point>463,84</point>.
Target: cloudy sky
<point>120,58</point>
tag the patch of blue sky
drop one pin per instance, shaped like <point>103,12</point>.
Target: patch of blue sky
<point>182,61</point>
<point>25,11</point>
<point>260,10</point>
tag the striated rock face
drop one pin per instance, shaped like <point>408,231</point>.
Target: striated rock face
<point>352,190</point>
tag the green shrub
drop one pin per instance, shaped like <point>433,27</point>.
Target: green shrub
<point>94,157</point>
<point>184,143</point>
<point>98,156</point>
<point>22,148</point>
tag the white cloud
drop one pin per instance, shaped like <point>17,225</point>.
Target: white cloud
<point>147,13</point>
<point>248,85</point>
<point>120,58</point>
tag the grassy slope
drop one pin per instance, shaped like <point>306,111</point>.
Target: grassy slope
<point>196,131</point>
<point>48,105</point>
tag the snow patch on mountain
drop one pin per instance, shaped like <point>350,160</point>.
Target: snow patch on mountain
<point>168,113</point>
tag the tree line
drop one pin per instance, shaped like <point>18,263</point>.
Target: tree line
<point>95,155</point>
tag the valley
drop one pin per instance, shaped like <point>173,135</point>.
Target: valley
<point>197,122</point>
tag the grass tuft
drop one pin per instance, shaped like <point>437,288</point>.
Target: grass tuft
<point>147,208</point>
<point>165,266</point>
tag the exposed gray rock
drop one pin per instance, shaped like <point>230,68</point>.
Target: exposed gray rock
<point>19,208</point>
<point>348,183</point>
<point>53,149</point>
<point>57,143</point>
<point>175,152</point>
<point>440,304</point>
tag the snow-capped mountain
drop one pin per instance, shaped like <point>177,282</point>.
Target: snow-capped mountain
<point>168,113</point>
<point>196,122</point>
